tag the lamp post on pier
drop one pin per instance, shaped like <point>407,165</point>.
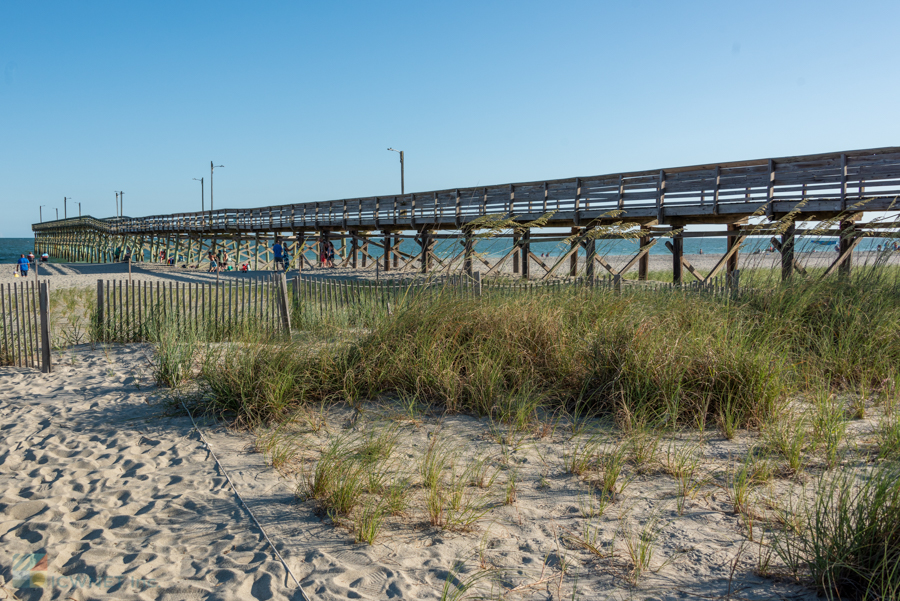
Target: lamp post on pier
<point>118,211</point>
<point>41,212</point>
<point>202,201</point>
<point>402,191</point>
<point>212,168</point>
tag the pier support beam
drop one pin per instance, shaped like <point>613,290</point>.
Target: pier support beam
<point>387,251</point>
<point>425,257</point>
<point>787,252</point>
<point>677,255</point>
<point>396,252</point>
<point>526,250</point>
<point>845,245</point>
<point>731,266</point>
<point>515,258</point>
<point>365,251</point>
<point>644,262</point>
<point>590,251</point>
<point>573,260</point>
<point>354,248</point>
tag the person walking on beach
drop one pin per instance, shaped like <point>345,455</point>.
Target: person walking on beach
<point>23,266</point>
<point>278,251</point>
<point>329,254</point>
<point>213,266</point>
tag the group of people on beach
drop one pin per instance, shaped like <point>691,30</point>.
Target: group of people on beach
<point>218,261</point>
<point>282,261</point>
<point>27,262</point>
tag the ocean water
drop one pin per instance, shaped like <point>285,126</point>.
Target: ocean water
<point>12,248</point>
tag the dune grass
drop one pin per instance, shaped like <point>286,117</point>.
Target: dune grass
<point>846,534</point>
<point>643,357</point>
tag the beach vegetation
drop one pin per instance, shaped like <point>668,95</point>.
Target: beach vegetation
<point>845,534</point>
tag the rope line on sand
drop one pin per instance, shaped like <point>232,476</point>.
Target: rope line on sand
<point>244,503</point>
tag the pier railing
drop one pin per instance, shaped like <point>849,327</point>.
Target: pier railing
<point>823,183</point>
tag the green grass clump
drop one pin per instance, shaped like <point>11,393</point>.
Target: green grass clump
<point>177,345</point>
<point>848,535</point>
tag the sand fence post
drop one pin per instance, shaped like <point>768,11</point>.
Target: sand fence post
<point>284,303</point>
<point>100,320</point>
<point>46,367</point>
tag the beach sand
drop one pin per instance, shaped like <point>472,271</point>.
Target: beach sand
<point>125,502</point>
<point>99,473</point>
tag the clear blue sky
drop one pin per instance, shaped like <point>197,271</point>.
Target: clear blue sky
<point>300,100</point>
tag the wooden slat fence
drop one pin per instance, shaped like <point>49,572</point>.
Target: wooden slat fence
<point>24,325</point>
<point>134,311</point>
<point>317,296</point>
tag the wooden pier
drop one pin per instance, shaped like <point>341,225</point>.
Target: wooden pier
<point>832,187</point>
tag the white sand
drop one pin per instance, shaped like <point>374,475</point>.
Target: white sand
<point>94,474</point>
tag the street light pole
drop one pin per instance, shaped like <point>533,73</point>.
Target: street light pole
<point>57,214</point>
<point>79,209</point>
<point>64,207</point>
<point>211,169</point>
<point>41,212</point>
<point>402,190</point>
<point>202,201</point>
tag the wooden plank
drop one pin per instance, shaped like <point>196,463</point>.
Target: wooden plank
<point>5,351</point>
<point>46,364</point>
<point>573,249</point>
<point>797,266</point>
<point>539,262</point>
<point>724,260</point>
<point>843,182</point>
<point>842,257</point>
<point>685,263</point>
<point>101,322</point>
<point>640,254</point>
